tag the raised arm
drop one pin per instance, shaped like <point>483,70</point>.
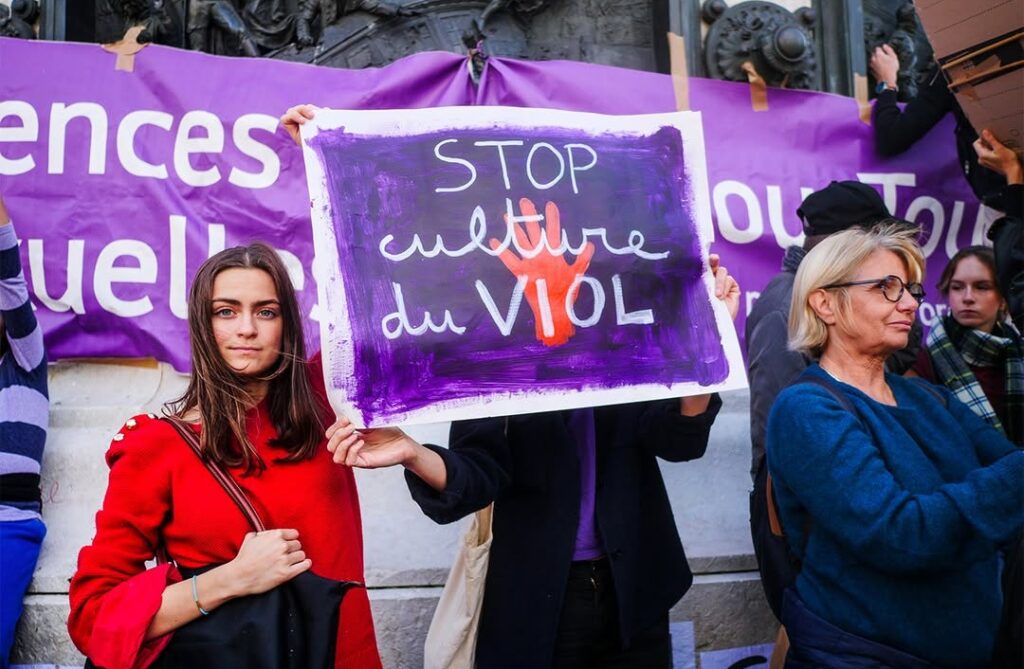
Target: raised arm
<point>896,130</point>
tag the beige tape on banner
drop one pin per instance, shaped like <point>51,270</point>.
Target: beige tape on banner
<point>126,49</point>
<point>758,89</point>
<point>144,363</point>
<point>680,75</point>
<point>860,93</point>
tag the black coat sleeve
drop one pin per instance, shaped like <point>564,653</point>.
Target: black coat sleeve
<point>895,130</point>
<point>478,465</point>
<point>669,435</point>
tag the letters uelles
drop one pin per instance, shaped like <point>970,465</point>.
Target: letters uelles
<point>530,244</point>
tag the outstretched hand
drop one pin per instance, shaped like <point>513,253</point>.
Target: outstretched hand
<point>294,118</point>
<point>368,448</point>
<point>556,272</point>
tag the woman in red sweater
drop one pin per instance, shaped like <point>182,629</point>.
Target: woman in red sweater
<point>260,412</point>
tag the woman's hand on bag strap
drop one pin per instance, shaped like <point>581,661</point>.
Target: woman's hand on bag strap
<point>266,560</point>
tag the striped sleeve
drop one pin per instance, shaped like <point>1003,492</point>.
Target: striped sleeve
<point>20,325</point>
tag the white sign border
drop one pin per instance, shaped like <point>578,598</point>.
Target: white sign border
<point>335,329</point>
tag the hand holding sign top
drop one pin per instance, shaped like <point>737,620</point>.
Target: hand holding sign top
<point>373,448</point>
<point>726,287</point>
<point>549,276</point>
<point>367,448</point>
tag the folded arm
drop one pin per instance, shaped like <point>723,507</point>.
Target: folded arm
<point>824,462</point>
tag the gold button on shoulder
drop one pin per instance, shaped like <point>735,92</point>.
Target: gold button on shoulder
<point>118,437</point>
<point>130,424</point>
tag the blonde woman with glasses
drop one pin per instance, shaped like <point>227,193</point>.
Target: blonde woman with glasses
<point>894,494</point>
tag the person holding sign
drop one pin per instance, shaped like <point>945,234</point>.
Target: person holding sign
<point>894,495</point>
<point>257,411</point>
<point>586,560</point>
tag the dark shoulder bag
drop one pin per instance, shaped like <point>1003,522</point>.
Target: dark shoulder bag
<point>292,626</point>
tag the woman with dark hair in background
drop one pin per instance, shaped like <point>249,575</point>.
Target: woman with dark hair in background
<point>974,350</point>
<point>260,412</point>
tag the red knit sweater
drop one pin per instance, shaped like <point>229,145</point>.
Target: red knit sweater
<point>158,489</point>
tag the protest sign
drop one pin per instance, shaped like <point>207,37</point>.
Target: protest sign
<point>473,263</point>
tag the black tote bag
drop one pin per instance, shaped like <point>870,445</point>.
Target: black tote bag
<point>292,626</point>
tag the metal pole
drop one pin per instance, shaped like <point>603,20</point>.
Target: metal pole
<point>840,37</point>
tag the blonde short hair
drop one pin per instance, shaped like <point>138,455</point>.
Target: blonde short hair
<point>835,260</point>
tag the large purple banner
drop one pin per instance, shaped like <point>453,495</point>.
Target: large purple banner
<point>120,183</point>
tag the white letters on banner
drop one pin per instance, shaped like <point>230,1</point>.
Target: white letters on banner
<point>197,133</point>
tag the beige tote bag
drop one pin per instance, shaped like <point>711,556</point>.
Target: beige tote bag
<point>451,640</point>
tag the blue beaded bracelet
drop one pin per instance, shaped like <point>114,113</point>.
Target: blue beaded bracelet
<point>195,597</point>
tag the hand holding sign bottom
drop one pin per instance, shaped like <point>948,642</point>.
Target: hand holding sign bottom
<point>549,276</point>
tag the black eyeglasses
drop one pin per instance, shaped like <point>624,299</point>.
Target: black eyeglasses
<point>892,287</point>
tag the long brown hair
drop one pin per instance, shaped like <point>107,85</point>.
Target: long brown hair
<point>219,393</point>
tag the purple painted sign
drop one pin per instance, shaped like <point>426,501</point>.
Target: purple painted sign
<point>489,264</point>
<point>120,183</point>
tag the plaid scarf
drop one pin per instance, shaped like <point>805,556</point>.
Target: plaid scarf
<point>954,349</point>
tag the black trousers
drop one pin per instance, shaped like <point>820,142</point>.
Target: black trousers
<point>588,630</point>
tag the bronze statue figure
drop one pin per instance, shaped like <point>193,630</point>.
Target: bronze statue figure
<point>271,22</point>
<point>17,20</point>
<point>215,26</point>
<point>330,11</point>
<point>522,7</point>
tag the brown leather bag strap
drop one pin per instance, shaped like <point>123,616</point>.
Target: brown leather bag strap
<point>231,487</point>
<point>773,513</point>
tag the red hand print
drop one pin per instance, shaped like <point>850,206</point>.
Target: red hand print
<point>553,270</point>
